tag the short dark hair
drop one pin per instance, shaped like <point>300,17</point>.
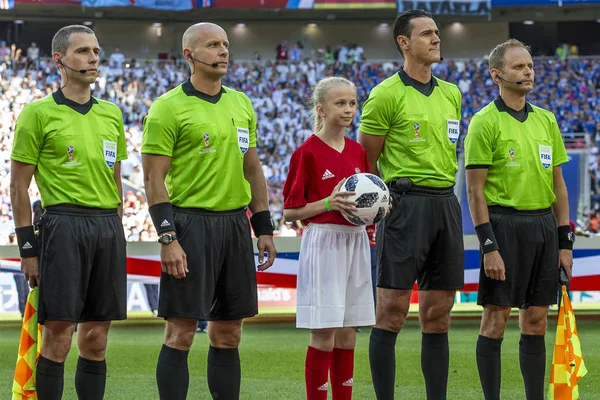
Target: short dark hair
<point>60,41</point>
<point>402,25</point>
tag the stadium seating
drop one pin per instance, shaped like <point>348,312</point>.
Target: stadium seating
<point>280,92</point>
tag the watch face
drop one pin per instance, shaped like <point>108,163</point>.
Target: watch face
<point>571,237</point>
<point>165,239</point>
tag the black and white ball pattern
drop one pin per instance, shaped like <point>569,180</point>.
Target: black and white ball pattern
<point>372,198</point>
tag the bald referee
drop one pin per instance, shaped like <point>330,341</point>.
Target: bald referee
<point>73,144</point>
<point>409,128</point>
<point>519,205</point>
<point>201,138</point>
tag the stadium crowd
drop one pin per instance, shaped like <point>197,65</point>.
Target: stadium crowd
<point>280,91</point>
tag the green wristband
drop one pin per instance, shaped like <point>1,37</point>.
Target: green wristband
<point>327,206</point>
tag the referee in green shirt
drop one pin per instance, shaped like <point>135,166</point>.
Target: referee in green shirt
<point>73,144</point>
<point>409,129</point>
<point>517,197</point>
<point>200,139</point>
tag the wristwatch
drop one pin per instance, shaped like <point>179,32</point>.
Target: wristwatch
<point>571,237</point>
<point>167,238</point>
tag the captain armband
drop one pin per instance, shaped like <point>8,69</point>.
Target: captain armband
<point>487,239</point>
<point>27,241</point>
<point>162,217</point>
<point>262,224</point>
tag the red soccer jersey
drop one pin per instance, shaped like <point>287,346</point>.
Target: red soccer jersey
<point>315,169</point>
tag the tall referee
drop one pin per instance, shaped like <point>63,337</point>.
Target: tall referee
<point>73,144</point>
<point>201,138</point>
<point>409,128</point>
<point>517,196</point>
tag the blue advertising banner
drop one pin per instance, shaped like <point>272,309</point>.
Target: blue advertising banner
<point>447,7</point>
<point>171,5</point>
<point>528,3</point>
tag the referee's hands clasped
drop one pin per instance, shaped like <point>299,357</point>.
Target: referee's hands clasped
<point>494,265</point>
<point>173,260</point>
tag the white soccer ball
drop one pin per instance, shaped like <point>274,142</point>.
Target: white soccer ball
<point>372,198</point>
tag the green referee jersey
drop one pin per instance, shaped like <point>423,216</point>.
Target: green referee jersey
<point>206,138</point>
<point>520,150</point>
<point>421,124</point>
<point>74,148</point>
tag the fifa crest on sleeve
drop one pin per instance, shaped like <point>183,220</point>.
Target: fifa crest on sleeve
<point>206,138</point>
<point>511,153</point>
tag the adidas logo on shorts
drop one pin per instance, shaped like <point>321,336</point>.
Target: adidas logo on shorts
<point>324,387</point>
<point>27,246</point>
<point>165,223</point>
<point>327,175</point>
<point>349,382</point>
<point>488,242</point>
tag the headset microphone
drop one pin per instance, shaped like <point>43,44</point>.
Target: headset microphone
<point>214,65</point>
<point>81,71</point>
<point>514,83</point>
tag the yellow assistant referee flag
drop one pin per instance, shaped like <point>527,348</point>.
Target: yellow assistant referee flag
<point>30,346</point>
<point>567,363</point>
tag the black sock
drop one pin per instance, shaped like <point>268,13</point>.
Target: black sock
<point>172,375</point>
<point>224,373</point>
<point>49,380</point>
<point>90,379</point>
<point>532,357</point>
<point>434,364</point>
<point>489,366</point>
<point>382,357</point>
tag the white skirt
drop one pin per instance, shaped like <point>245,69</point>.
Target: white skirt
<point>334,278</point>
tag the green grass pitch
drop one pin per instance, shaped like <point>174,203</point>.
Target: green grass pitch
<point>272,356</point>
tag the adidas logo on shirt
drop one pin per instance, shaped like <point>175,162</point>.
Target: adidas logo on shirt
<point>349,382</point>
<point>488,242</point>
<point>328,175</point>
<point>27,246</point>
<point>324,387</point>
<point>165,223</point>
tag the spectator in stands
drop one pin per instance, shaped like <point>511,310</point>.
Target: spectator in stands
<point>117,58</point>
<point>33,53</point>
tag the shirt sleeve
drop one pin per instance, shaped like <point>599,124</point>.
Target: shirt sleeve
<point>29,137</point>
<point>251,123</point>
<point>160,130</point>
<point>122,141</point>
<point>295,183</point>
<point>377,112</point>
<point>478,142</point>
<point>559,152</point>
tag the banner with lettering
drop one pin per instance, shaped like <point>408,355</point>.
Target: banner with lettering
<point>448,7</point>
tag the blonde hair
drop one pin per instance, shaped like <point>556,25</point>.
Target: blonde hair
<point>320,92</point>
<point>497,55</point>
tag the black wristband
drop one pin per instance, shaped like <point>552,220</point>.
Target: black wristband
<point>566,238</point>
<point>487,239</point>
<point>261,223</point>
<point>162,217</point>
<point>27,241</point>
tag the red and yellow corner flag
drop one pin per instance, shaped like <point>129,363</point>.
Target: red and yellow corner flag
<point>30,346</point>
<point>567,363</point>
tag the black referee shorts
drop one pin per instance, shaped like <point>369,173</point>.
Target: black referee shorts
<point>221,284</point>
<point>421,240</point>
<point>83,272</point>
<point>528,242</point>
